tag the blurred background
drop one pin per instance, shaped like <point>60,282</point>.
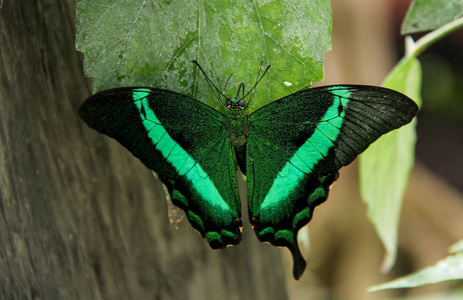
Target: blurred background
<point>346,255</point>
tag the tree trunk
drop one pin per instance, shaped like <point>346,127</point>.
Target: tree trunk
<point>80,217</point>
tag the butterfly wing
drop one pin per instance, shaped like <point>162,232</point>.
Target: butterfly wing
<point>296,146</point>
<point>185,143</point>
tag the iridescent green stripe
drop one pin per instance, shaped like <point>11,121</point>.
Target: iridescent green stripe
<point>175,154</point>
<point>309,154</point>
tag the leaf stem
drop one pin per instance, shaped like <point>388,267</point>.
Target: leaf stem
<point>413,49</point>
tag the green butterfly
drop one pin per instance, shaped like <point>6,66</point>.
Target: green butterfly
<point>290,151</point>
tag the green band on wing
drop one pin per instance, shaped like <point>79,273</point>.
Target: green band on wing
<point>175,154</point>
<point>309,154</point>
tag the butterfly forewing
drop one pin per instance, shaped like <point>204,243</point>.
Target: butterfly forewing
<point>185,143</point>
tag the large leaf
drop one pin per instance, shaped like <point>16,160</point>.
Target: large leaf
<point>386,165</point>
<point>431,14</point>
<point>449,268</point>
<point>152,43</point>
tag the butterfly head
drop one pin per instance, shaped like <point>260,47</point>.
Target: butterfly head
<point>235,102</point>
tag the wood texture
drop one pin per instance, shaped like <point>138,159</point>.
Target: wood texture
<point>80,217</point>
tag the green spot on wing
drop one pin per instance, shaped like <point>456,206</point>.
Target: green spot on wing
<point>213,238</point>
<point>302,216</point>
<point>268,230</point>
<point>286,235</point>
<point>227,233</point>
<point>180,197</point>
<point>196,220</point>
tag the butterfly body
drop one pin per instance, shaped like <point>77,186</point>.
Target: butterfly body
<point>237,128</point>
<point>290,151</point>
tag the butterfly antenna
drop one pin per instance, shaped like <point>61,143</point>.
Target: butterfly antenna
<point>211,85</point>
<point>226,83</point>
<point>253,90</point>
<point>257,80</point>
<point>240,88</point>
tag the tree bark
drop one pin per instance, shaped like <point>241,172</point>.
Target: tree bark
<point>80,217</point>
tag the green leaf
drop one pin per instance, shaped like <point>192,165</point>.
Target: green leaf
<point>430,14</point>
<point>458,247</point>
<point>383,180</point>
<point>449,268</point>
<point>152,43</point>
<point>385,166</point>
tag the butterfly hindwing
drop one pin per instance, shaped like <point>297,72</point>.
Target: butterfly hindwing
<point>185,143</point>
<point>297,144</point>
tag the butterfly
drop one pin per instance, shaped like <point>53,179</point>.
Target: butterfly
<point>290,151</point>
